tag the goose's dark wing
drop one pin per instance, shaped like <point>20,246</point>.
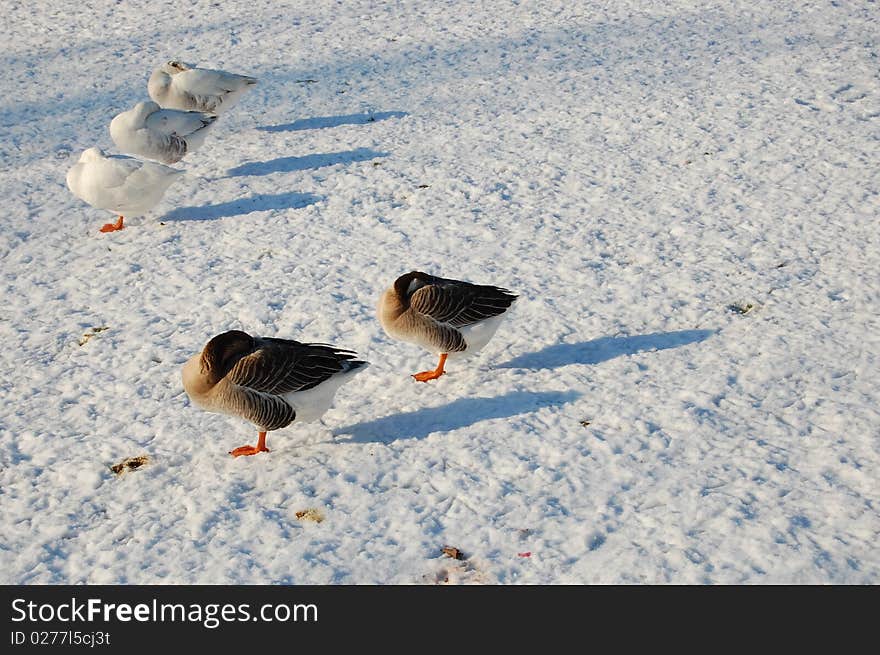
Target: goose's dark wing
<point>280,366</point>
<point>460,303</point>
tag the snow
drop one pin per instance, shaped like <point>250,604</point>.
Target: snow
<point>639,173</point>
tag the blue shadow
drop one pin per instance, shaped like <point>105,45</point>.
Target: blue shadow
<point>290,164</point>
<point>323,122</point>
<point>257,203</point>
<point>457,414</point>
<point>603,349</point>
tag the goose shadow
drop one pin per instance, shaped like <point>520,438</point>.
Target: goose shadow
<point>457,414</point>
<point>323,122</point>
<point>603,349</point>
<point>290,164</point>
<point>256,203</point>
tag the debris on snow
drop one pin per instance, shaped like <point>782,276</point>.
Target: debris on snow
<point>310,514</point>
<point>453,552</point>
<point>130,464</point>
<point>92,332</point>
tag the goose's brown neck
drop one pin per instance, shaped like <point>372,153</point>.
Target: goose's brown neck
<point>391,306</point>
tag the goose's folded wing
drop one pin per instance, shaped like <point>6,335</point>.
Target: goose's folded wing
<point>460,303</point>
<point>172,121</point>
<point>204,82</point>
<point>146,181</point>
<point>147,176</point>
<point>282,366</point>
<point>113,172</point>
<point>442,303</point>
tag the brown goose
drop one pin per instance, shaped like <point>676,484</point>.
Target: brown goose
<point>270,382</point>
<point>447,317</point>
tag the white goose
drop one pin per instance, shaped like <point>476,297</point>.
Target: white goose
<point>447,317</point>
<point>165,135</point>
<point>123,185</point>
<point>270,382</point>
<point>177,85</point>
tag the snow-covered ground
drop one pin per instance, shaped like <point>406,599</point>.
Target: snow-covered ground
<point>684,194</point>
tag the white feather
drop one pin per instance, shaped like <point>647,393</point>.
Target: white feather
<point>310,405</point>
<point>478,335</point>
<point>179,86</point>
<point>123,185</point>
<point>165,135</point>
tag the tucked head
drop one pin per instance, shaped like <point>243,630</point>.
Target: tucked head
<point>222,353</point>
<point>175,66</point>
<point>91,154</point>
<point>135,116</point>
<point>409,283</point>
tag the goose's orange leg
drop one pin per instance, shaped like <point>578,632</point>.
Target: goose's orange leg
<point>432,375</point>
<point>252,450</point>
<point>113,227</point>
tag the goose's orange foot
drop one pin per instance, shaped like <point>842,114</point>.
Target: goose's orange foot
<point>428,375</point>
<point>252,450</point>
<point>424,376</point>
<point>113,227</point>
<point>248,450</point>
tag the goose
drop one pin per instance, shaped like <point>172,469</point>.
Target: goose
<point>165,135</point>
<point>123,185</point>
<point>447,317</point>
<point>270,382</point>
<point>178,85</point>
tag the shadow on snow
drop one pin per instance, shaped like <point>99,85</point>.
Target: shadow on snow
<point>256,203</point>
<point>289,164</point>
<point>603,349</point>
<point>457,414</point>
<point>322,122</point>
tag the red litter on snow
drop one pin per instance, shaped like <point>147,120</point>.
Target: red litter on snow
<point>528,553</point>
